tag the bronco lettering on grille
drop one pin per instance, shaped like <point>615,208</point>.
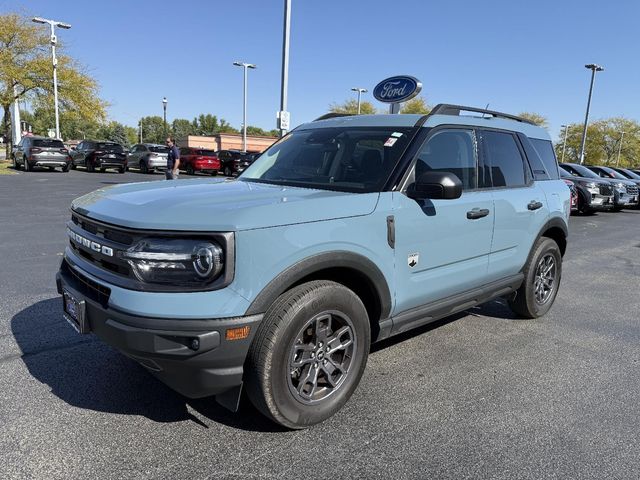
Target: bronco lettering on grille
<point>95,246</point>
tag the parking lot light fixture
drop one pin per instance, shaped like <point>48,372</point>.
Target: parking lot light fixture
<point>245,66</point>
<point>619,149</point>
<point>164,114</point>
<point>594,68</point>
<point>53,24</point>
<point>564,142</point>
<point>360,92</point>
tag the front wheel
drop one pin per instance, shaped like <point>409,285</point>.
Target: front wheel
<point>190,170</point>
<point>27,167</point>
<point>227,172</point>
<point>542,275</point>
<point>308,354</point>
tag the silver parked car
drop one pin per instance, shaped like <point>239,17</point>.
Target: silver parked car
<point>148,157</point>
<point>41,152</point>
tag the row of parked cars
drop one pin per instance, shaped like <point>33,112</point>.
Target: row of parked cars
<point>146,157</point>
<point>600,187</point>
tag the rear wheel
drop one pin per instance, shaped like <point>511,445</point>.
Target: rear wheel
<point>542,276</point>
<point>121,170</point>
<point>583,206</point>
<point>143,167</point>
<point>227,172</point>
<point>65,168</point>
<point>308,354</point>
<point>190,170</point>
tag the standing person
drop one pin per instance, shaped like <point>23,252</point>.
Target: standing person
<point>173,160</point>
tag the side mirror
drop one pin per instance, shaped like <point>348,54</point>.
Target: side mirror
<point>435,185</point>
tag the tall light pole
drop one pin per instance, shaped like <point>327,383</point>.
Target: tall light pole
<point>564,143</point>
<point>245,66</point>
<point>53,24</point>
<point>360,92</point>
<point>619,149</point>
<point>283,114</point>
<point>594,68</point>
<point>164,114</point>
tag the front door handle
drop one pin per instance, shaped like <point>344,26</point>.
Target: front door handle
<point>477,213</point>
<point>534,205</point>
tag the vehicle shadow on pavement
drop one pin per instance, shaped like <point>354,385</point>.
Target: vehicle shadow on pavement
<point>86,373</point>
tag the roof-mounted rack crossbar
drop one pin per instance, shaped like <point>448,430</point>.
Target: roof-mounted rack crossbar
<point>333,115</point>
<point>446,109</point>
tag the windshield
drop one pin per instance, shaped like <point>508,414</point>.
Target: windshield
<point>109,147</point>
<point>614,173</point>
<point>47,143</point>
<point>352,159</point>
<point>630,174</point>
<point>159,149</point>
<point>584,171</point>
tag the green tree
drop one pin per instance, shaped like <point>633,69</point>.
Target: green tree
<point>117,132</point>
<point>603,142</point>
<point>351,106</point>
<point>416,105</point>
<point>153,129</point>
<point>181,127</point>
<point>26,73</point>
<point>207,124</point>
<point>536,118</point>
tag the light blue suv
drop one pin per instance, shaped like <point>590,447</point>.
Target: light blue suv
<point>345,232</point>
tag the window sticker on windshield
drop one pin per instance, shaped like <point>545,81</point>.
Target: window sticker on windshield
<point>396,134</point>
<point>390,142</point>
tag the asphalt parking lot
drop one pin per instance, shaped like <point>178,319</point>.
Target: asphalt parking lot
<point>480,395</point>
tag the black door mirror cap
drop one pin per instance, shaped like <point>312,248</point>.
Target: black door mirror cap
<point>436,186</point>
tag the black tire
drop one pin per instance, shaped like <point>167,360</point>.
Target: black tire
<point>65,169</point>
<point>539,289</point>
<point>14,163</point>
<point>51,169</point>
<point>72,166</point>
<point>102,170</point>
<point>227,172</point>
<point>26,164</point>
<point>143,167</point>
<point>121,169</point>
<point>276,386</point>
<point>190,170</point>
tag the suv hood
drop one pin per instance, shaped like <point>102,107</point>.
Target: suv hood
<point>218,205</point>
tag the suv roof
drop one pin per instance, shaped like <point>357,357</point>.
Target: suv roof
<point>441,114</point>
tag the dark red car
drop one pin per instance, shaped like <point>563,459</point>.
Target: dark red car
<point>194,160</point>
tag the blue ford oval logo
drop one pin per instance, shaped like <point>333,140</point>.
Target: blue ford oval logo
<point>397,89</point>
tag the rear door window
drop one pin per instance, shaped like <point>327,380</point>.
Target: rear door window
<point>504,159</point>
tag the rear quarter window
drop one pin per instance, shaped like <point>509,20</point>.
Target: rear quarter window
<point>547,155</point>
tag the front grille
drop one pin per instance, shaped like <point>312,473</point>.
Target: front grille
<point>110,236</point>
<point>606,190</point>
<point>632,190</point>
<point>86,286</point>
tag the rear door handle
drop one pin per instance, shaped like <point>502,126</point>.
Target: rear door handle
<point>477,213</point>
<point>534,205</point>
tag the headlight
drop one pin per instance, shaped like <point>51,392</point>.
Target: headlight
<point>620,185</point>
<point>589,184</point>
<point>170,261</point>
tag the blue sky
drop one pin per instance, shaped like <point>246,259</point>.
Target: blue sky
<point>516,56</point>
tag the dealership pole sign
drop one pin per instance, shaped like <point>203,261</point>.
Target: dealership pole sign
<point>395,90</point>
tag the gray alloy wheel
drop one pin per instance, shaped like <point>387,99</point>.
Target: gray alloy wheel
<point>542,275</point>
<point>308,354</point>
<point>27,167</point>
<point>320,357</point>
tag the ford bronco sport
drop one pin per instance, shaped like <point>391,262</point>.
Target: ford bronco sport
<point>347,231</point>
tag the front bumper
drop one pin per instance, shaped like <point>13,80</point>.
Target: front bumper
<point>166,347</point>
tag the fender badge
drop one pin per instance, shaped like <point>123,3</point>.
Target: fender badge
<point>413,259</point>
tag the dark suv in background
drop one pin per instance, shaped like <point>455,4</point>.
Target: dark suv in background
<point>593,193</point>
<point>630,187</point>
<point>94,155</point>
<point>41,152</point>
<point>233,162</point>
<point>620,196</point>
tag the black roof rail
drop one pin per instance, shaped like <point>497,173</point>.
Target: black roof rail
<point>446,109</point>
<point>333,115</point>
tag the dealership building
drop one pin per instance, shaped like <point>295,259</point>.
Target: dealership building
<point>226,141</point>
